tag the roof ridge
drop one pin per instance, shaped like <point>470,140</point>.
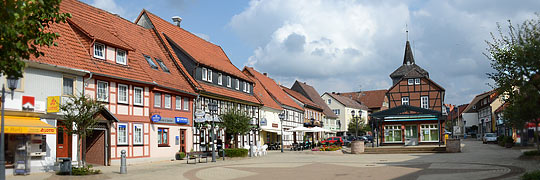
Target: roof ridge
<point>104,11</point>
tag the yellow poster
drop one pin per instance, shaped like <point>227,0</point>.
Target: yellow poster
<point>53,104</point>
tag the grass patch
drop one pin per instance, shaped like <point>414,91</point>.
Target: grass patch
<point>534,175</point>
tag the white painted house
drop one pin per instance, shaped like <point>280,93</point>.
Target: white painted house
<point>342,107</point>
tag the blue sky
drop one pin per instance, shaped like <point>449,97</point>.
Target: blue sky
<point>348,45</point>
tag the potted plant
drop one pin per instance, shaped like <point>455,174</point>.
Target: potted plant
<point>508,142</point>
<point>180,155</point>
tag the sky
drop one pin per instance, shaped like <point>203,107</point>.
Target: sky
<point>347,45</point>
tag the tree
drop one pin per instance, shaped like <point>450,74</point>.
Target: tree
<point>515,57</point>
<point>79,117</point>
<point>362,128</point>
<point>236,123</point>
<point>23,28</point>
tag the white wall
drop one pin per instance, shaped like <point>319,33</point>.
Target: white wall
<point>470,119</point>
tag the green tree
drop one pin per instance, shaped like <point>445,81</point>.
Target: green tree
<point>236,123</point>
<point>362,127</point>
<point>79,117</point>
<point>23,28</point>
<point>515,57</point>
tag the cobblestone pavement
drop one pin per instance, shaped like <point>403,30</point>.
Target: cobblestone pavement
<point>477,161</point>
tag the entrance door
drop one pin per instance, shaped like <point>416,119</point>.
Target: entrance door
<point>63,143</point>
<point>182,140</point>
<point>411,135</point>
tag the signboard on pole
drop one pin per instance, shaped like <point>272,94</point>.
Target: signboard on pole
<point>156,118</point>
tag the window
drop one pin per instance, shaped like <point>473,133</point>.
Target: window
<point>167,102</point>
<point>178,103</point>
<point>121,57</point>
<point>186,104</point>
<point>228,81</point>
<point>329,101</point>
<point>162,65</point>
<point>163,137</point>
<point>248,87</point>
<point>220,79</point>
<point>157,99</point>
<point>102,91</point>
<point>336,111</point>
<point>122,134</point>
<point>410,81</point>
<point>209,75</point>
<point>424,101</point>
<point>150,62</point>
<point>137,134</point>
<point>429,132</point>
<point>67,86</point>
<point>122,93</point>
<point>204,74</point>
<point>417,81</point>
<point>404,100</point>
<point>237,84</point>
<point>138,96</point>
<point>99,50</point>
<point>392,133</point>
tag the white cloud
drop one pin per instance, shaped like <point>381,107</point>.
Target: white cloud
<point>203,36</point>
<point>345,45</point>
<point>109,5</point>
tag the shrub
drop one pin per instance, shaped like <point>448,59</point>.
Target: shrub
<point>234,152</point>
<point>82,171</point>
<point>531,175</point>
<point>500,138</point>
<point>531,153</point>
<point>508,139</point>
<point>180,155</point>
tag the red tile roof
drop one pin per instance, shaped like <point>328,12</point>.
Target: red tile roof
<point>301,98</point>
<point>261,94</point>
<point>273,89</point>
<point>347,101</point>
<point>214,89</point>
<point>312,94</point>
<point>98,33</point>
<point>372,99</point>
<point>199,49</point>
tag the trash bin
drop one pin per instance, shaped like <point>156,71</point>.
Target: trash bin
<point>65,166</point>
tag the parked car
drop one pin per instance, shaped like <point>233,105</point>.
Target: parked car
<point>368,138</point>
<point>333,140</point>
<point>348,139</point>
<point>489,137</point>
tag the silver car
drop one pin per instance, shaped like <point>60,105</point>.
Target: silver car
<point>489,137</point>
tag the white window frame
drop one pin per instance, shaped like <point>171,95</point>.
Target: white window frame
<point>165,103</point>
<point>178,103</point>
<point>410,81</point>
<point>228,81</point>
<point>424,102</point>
<point>103,50</point>
<point>106,91</point>
<point>138,137</point>
<point>209,75</point>
<point>329,101</point>
<point>392,127</point>
<point>204,74</point>
<point>64,86</point>
<point>122,139</point>
<point>405,101</point>
<point>155,95</point>
<point>237,84</point>
<point>126,94</point>
<point>416,80</point>
<point>141,96</point>
<point>429,127</point>
<point>121,59</point>
<point>220,79</point>
<point>247,87</point>
<point>186,104</point>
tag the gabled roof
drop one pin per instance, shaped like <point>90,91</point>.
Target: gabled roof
<point>408,66</point>
<point>308,103</point>
<point>347,102</point>
<point>98,33</point>
<point>372,99</point>
<point>272,88</point>
<point>260,93</point>
<point>199,49</point>
<point>475,100</point>
<point>226,92</point>
<point>312,94</point>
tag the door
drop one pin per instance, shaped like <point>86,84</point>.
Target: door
<point>411,135</point>
<point>63,143</point>
<point>182,140</point>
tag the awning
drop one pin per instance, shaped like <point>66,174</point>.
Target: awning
<point>27,125</point>
<point>272,130</point>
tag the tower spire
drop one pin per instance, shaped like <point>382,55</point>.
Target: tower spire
<point>408,58</point>
<point>407,31</point>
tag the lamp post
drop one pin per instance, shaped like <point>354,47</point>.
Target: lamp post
<point>213,109</point>
<point>356,120</point>
<point>12,85</point>
<point>281,117</point>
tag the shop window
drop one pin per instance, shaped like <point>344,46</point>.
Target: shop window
<point>122,93</point>
<point>137,134</point>
<point>102,91</point>
<point>122,134</point>
<point>392,133</point>
<point>163,136</point>
<point>429,132</point>
<point>138,96</point>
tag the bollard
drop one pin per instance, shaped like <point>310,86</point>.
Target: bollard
<point>123,167</point>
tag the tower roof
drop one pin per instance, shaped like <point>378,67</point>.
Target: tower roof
<point>408,58</point>
<point>409,67</point>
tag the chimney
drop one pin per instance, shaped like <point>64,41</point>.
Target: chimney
<point>265,74</point>
<point>177,20</point>
<point>333,92</point>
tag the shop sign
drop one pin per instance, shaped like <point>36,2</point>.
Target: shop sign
<point>274,125</point>
<point>29,130</point>
<point>53,104</point>
<point>263,122</point>
<point>181,120</point>
<point>156,118</point>
<point>28,103</point>
<point>199,113</point>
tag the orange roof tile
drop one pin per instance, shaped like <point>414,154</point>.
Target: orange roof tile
<point>261,94</point>
<point>372,99</point>
<point>273,89</point>
<point>301,98</point>
<point>214,89</point>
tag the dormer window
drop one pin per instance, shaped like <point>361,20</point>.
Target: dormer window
<point>121,57</point>
<point>204,74</point>
<point>237,84</point>
<point>228,81</point>
<point>162,65</point>
<point>248,87</point>
<point>220,79</point>
<point>150,62</point>
<point>209,75</point>
<point>99,50</point>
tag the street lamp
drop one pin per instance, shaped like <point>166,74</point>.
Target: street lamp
<point>213,109</point>
<point>12,85</point>
<point>356,122</point>
<point>281,117</point>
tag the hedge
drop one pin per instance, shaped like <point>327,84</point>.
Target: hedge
<point>235,152</point>
<point>531,153</point>
<point>531,175</point>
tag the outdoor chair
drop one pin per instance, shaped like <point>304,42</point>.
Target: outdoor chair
<point>263,149</point>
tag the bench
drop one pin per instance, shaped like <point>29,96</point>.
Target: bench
<point>196,155</point>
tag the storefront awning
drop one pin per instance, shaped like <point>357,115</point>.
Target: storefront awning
<point>272,130</point>
<point>27,125</point>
